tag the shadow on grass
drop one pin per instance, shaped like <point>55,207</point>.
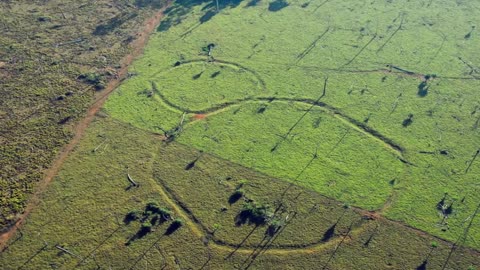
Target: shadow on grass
<point>423,89</point>
<point>235,197</point>
<point>181,9</point>
<point>113,23</point>
<point>329,233</point>
<point>277,5</point>
<point>176,224</point>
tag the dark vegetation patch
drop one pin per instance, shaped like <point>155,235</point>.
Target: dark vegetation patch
<point>408,121</point>
<point>262,108</point>
<point>180,10</point>
<point>254,213</point>
<point>156,4</point>
<point>63,48</point>
<point>153,215</point>
<point>95,79</point>
<point>113,23</point>
<point>252,3</point>
<point>207,50</point>
<point>423,89</point>
<point>277,5</point>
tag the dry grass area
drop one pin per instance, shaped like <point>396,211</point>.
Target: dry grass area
<point>55,57</point>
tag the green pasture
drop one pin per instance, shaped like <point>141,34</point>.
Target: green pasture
<point>394,129</point>
<point>82,220</point>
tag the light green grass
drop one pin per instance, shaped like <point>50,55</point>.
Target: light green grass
<point>268,47</point>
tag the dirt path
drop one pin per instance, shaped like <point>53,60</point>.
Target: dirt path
<point>79,130</point>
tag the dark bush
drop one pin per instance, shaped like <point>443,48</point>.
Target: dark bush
<point>253,214</point>
<point>274,227</point>
<point>423,89</point>
<point>153,207</point>
<point>132,216</point>
<point>94,79</point>
<point>176,224</point>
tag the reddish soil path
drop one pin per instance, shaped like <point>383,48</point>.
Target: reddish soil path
<point>79,130</point>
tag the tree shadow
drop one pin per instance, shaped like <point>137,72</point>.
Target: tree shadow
<point>422,266</point>
<point>408,121</point>
<point>277,5</point>
<point>329,234</point>
<point>113,23</point>
<point>176,224</point>
<point>181,9</point>
<point>215,74</point>
<point>237,195</point>
<point>252,3</point>
<point>156,4</point>
<point>192,164</point>
<point>423,89</point>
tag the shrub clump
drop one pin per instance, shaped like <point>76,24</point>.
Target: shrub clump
<point>94,79</point>
<point>176,224</point>
<point>274,226</point>
<point>151,216</point>
<point>253,213</point>
<point>132,216</point>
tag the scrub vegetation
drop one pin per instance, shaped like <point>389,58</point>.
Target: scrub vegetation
<point>53,60</point>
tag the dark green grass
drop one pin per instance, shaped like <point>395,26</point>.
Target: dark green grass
<point>83,212</point>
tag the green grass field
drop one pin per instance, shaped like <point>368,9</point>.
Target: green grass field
<point>397,126</point>
<point>352,127</point>
<point>80,222</point>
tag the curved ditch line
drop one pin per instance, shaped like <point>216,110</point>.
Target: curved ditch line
<point>368,214</point>
<point>215,61</point>
<point>196,227</point>
<point>336,112</point>
<point>199,229</point>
